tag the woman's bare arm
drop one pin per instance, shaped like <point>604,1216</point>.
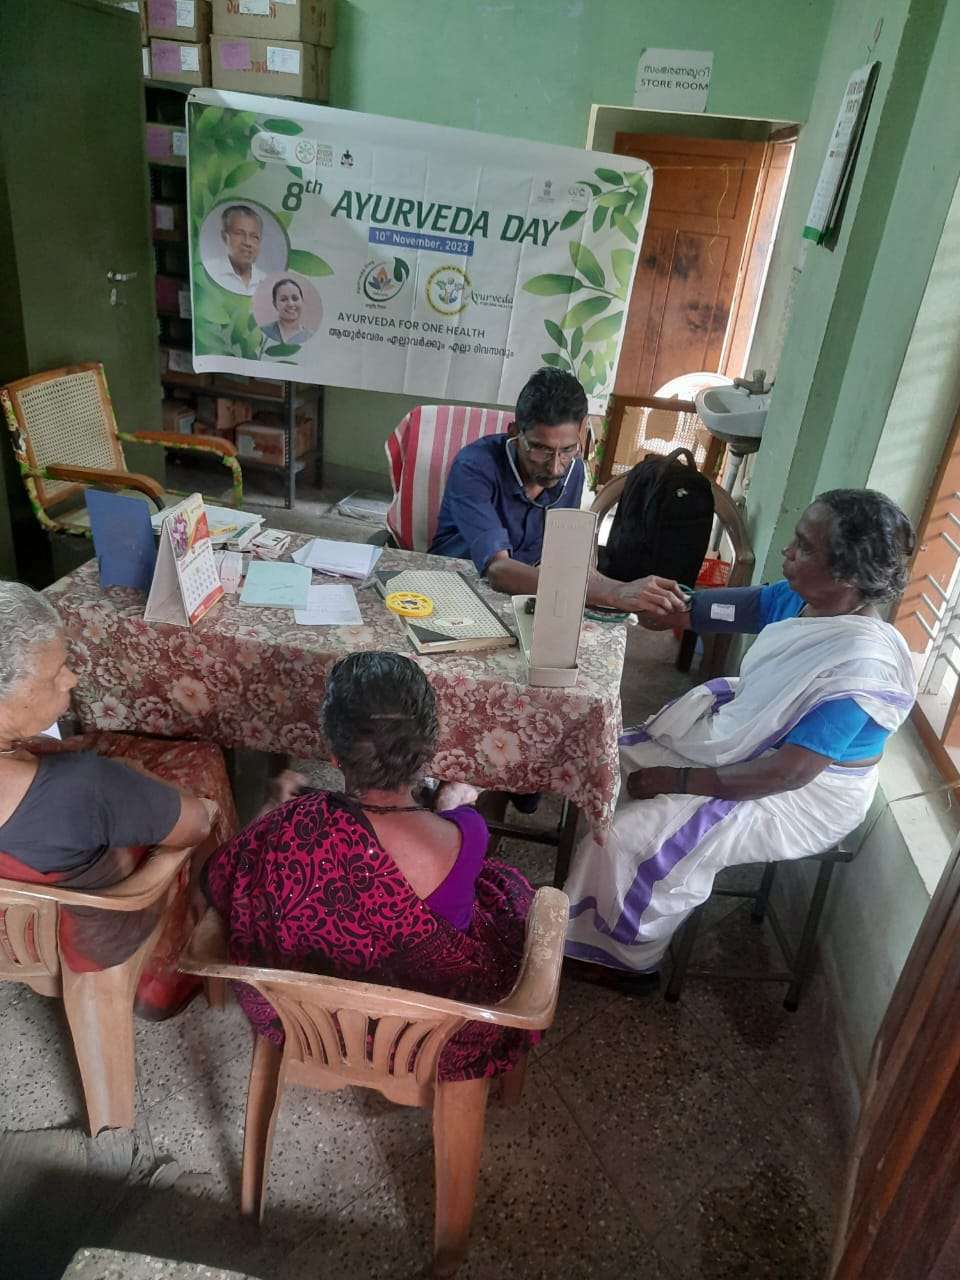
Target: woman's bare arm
<point>788,769</point>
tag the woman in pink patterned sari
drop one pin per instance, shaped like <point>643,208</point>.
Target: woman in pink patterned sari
<point>372,885</point>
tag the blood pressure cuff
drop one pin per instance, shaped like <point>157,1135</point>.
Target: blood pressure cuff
<point>727,609</point>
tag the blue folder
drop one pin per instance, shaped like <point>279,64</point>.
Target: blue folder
<point>122,538</point>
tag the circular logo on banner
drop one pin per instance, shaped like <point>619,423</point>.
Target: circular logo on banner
<point>306,151</point>
<point>381,281</point>
<point>447,290</point>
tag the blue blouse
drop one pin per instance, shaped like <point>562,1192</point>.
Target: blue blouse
<point>840,730</point>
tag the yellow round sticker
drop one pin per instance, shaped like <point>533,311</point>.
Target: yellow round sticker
<point>409,604</point>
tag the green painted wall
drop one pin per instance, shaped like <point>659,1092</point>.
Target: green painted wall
<point>861,320</point>
<point>533,69</point>
<point>854,306</point>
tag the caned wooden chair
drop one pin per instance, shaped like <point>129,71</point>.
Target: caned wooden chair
<point>734,540</point>
<point>99,1004</point>
<point>340,1033</point>
<point>65,438</point>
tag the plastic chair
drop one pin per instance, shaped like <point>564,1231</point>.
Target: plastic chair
<point>65,439</point>
<point>98,1004</point>
<point>734,531</point>
<point>420,452</point>
<point>340,1033</point>
<point>661,423</point>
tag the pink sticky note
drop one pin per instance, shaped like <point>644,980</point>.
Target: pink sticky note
<point>158,142</point>
<point>162,13</point>
<point>234,55</point>
<point>165,55</point>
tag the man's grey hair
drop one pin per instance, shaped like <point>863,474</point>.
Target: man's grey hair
<point>27,621</point>
<point>243,209</point>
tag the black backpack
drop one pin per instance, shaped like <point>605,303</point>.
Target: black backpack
<point>662,522</point>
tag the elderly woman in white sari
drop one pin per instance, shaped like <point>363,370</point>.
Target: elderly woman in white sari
<point>778,763</point>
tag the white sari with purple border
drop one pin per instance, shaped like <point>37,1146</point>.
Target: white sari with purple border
<point>631,887</point>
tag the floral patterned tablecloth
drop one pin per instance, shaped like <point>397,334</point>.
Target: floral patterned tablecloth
<point>245,676</point>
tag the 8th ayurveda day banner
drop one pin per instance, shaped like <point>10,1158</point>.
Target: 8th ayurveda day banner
<point>358,251</point>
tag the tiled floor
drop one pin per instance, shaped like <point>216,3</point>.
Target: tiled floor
<point>694,1141</point>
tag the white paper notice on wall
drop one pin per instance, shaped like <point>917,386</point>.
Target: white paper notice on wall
<point>186,13</point>
<point>259,7</point>
<point>283,60</point>
<point>180,142</point>
<point>189,58</point>
<point>184,304</point>
<point>673,79</point>
<point>163,218</point>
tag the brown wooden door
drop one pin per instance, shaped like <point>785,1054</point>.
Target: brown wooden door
<point>900,1219</point>
<point>700,213</point>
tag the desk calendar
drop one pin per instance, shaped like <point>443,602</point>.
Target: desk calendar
<point>185,584</point>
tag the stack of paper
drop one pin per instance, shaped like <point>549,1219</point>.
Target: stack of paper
<point>224,523</point>
<point>344,559</point>
<point>276,584</point>
<point>362,506</point>
<point>330,606</point>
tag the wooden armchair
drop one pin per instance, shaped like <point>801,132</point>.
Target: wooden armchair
<point>98,1005</point>
<point>340,1033</point>
<point>65,439</point>
<point>732,529</point>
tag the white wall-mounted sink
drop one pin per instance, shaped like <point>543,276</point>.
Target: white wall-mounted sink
<point>734,415</point>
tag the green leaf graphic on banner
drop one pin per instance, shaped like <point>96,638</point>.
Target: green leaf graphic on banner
<point>587,264</point>
<point>283,349</point>
<point>610,175</point>
<point>554,361</point>
<point>549,284</point>
<point>584,311</point>
<point>592,185</point>
<point>241,173</point>
<point>295,170</point>
<point>599,217</point>
<point>571,218</point>
<point>555,332</point>
<point>625,227</point>
<point>308,263</point>
<point>289,127</point>
<point>622,263</point>
<point>207,117</point>
<point>614,199</point>
<point>401,269</point>
<point>251,322</point>
<point>284,217</point>
<point>576,342</point>
<point>637,182</point>
<point>606,328</point>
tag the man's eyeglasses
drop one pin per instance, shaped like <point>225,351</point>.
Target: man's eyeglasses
<point>543,453</point>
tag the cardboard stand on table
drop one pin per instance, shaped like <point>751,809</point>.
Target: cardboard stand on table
<point>185,584</point>
<point>551,640</point>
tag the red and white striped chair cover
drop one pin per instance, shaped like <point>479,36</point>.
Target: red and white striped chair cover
<point>421,451</point>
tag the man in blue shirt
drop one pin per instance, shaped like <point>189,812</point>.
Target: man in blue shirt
<point>501,487</point>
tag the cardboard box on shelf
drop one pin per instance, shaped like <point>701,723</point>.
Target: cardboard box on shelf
<point>180,63</point>
<point>176,366</point>
<point>178,416</point>
<point>179,19</point>
<point>203,428</point>
<point>253,386</point>
<point>279,68</point>
<point>168,219</point>
<point>311,21</point>
<point>167,144</point>
<point>223,413</point>
<point>264,439</point>
<point>168,289</point>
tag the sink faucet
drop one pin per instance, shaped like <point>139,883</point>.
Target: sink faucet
<point>754,386</point>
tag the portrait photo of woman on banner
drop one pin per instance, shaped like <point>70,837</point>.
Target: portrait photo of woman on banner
<point>288,310</point>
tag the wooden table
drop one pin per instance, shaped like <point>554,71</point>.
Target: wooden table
<point>252,677</point>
